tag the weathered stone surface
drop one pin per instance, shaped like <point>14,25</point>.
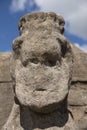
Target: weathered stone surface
<point>4,67</point>
<point>41,72</point>
<point>30,120</point>
<point>83,123</point>
<point>77,94</point>
<point>80,65</point>
<point>6,95</point>
<point>41,22</point>
<point>6,101</point>
<point>78,103</point>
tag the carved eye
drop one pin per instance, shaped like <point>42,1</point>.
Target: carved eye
<point>50,59</point>
<point>64,45</point>
<point>66,51</point>
<point>17,44</point>
<point>50,63</point>
<point>63,50</point>
<point>34,60</point>
<point>17,47</point>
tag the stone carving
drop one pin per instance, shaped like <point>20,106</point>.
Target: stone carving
<point>41,68</point>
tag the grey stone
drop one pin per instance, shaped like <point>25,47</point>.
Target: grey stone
<point>77,99</point>
<point>6,94</point>
<point>78,92</point>
<point>41,72</point>
<point>4,66</point>
<point>78,95</point>
<point>6,101</point>
<point>80,65</point>
<point>83,123</point>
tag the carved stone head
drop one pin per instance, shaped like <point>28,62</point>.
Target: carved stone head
<point>42,62</point>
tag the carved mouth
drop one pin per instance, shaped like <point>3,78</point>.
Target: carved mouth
<point>40,89</point>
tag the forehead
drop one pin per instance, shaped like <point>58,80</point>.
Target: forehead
<point>39,21</point>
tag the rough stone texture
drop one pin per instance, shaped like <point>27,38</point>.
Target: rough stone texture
<point>79,111</point>
<point>6,95</point>
<point>4,67</point>
<point>78,104</point>
<point>77,94</point>
<point>41,73</point>
<point>80,65</point>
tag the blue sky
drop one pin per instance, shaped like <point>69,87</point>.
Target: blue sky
<point>74,13</point>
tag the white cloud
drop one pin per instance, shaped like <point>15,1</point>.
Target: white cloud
<point>23,5</point>
<point>83,47</point>
<point>18,5</point>
<point>74,12</point>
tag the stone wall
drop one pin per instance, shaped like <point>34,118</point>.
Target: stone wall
<point>78,92</point>
<point>6,93</point>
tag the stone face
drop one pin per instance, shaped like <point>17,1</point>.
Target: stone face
<point>43,63</point>
<point>41,72</point>
<point>30,63</point>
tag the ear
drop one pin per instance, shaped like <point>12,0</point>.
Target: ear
<point>17,43</point>
<point>66,50</point>
<point>17,46</point>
